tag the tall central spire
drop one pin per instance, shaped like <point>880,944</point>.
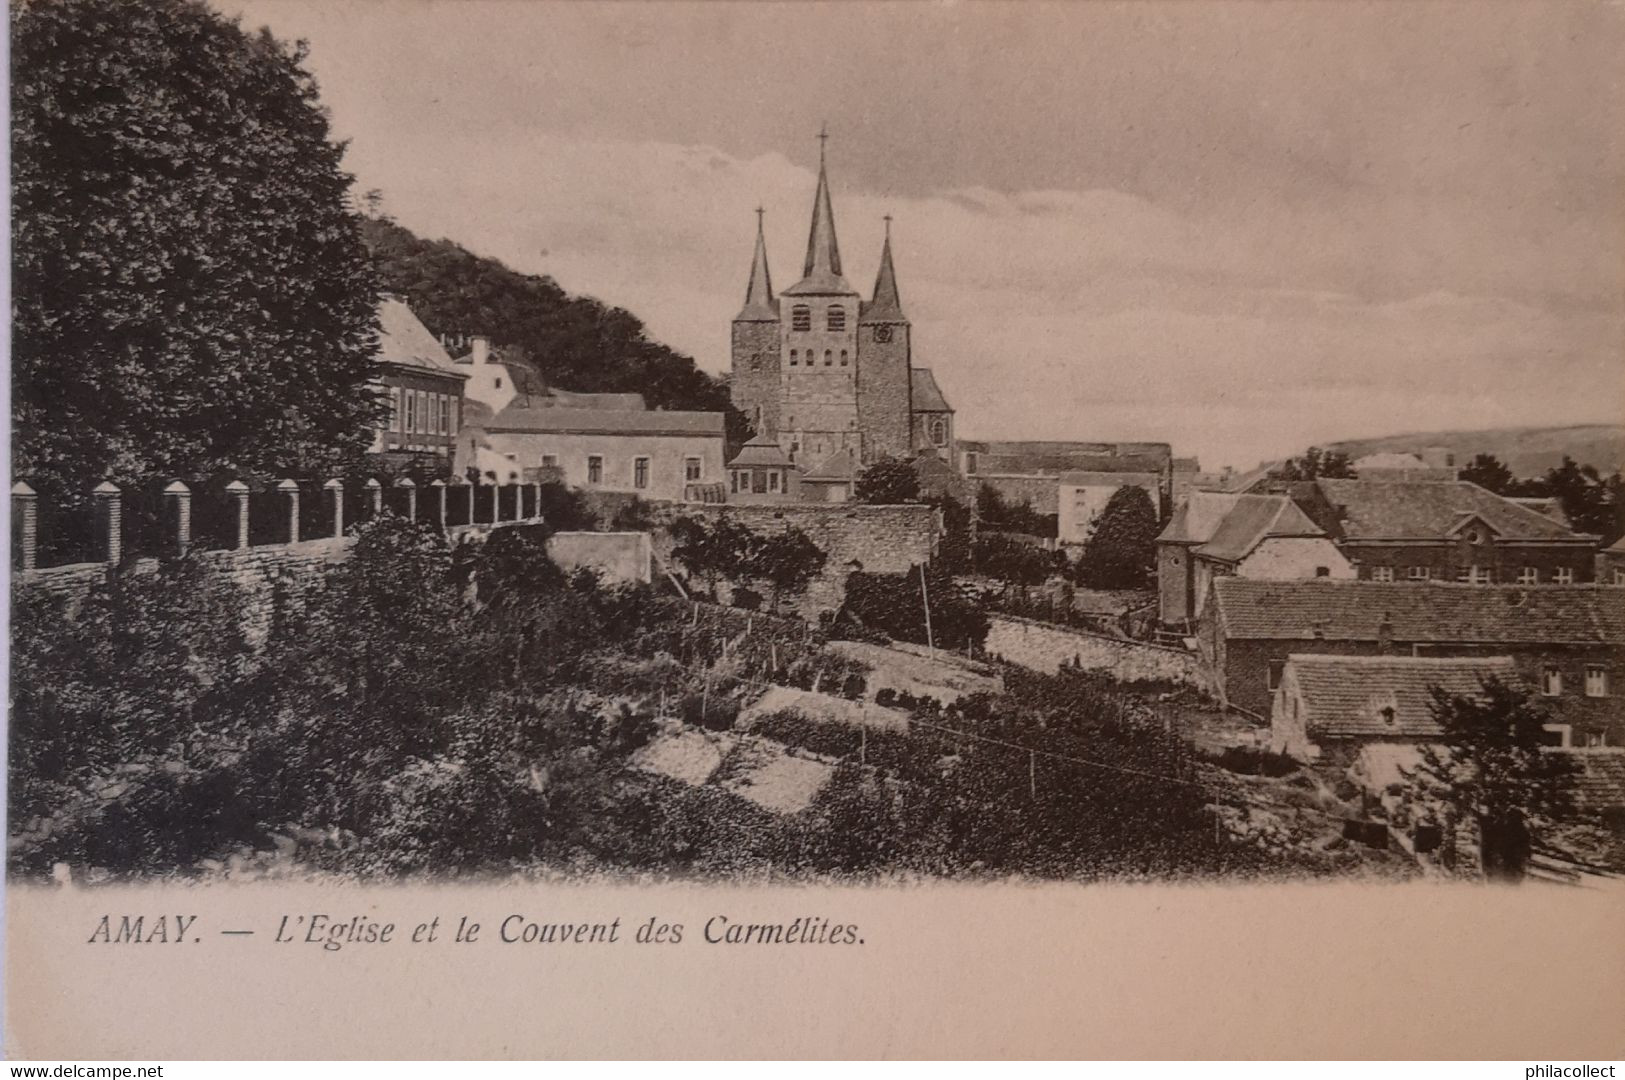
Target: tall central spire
<point>823,253</point>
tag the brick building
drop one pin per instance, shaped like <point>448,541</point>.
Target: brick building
<point>1213,534</point>
<point>1420,531</point>
<point>821,370</point>
<point>1568,641</point>
<point>423,385</point>
<point>1611,564</point>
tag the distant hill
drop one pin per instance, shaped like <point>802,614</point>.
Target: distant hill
<point>1528,452</point>
<point>571,342</point>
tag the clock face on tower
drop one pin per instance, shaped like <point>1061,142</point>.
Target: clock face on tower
<point>883,334</point>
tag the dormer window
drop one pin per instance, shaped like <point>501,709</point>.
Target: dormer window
<point>801,317</point>
<point>836,319</point>
<point>1389,714</point>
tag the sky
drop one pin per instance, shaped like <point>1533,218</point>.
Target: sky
<point>1239,228</point>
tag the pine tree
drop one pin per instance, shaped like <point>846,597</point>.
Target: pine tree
<point>1121,552</point>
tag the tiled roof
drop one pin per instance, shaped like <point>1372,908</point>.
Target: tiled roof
<point>762,451</point>
<point>1109,479</point>
<point>517,419</point>
<point>1401,509</point>
<point>1354,610</point>
<point>839,466</point>
<point>1250,520</point>
<point>1346,695</point>
<point>1599,783</point>
<point>570,399</point>
<point>927,397</point>
<point>1197,518</point>
<point>403,339</point>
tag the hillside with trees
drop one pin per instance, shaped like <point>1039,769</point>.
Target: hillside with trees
<point>572,342</point>
<point>1528,452</point>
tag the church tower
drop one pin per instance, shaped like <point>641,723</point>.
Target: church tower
<point>818,335</point>
<point>754,385</point>
<point>885,401</point>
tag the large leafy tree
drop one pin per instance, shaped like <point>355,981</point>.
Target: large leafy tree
<point>192,294</point>
<point>1491,769</point>
<point>888,482</point>
<point>1489,473</point>
<point>1591,503</point>
<point>1317,464</point>
<point>786,562</point>
<point>1121,552</point>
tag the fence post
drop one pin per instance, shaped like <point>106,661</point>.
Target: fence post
<point>471,490</point>
<point>496,502</point>
<point>25,511</point>
<point>179,496</point>
<point>290,488</point>
<point>375,493</point>
<point>335,493</point>
<point>110,520</point>
<point>239,491</point>
<point>439,487</point>
<point>536,507</point>
<point>411,497</point>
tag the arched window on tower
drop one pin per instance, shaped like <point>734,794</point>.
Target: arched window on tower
<point>801,317</point>
<point>837,318</point>
<point>829,358</point>
<point>844,362</point>
<point>939,431</point>
<point>792,358</point>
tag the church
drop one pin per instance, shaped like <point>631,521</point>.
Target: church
<point>827,375</point>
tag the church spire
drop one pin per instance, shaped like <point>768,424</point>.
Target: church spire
<point>823,254</point>
<point>886,304</point>
<point>759,293</point>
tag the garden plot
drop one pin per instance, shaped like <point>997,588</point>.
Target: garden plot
<point>758,770</point>
<point>824,708</point>
<point>945,677</point>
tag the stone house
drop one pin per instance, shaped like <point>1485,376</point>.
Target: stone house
<point>1081,496</point>
<point>652,453</point>
<point>422,384</point>
<point>1566,641</point>
<point>1420,531</point>
<point>1332,707</point>
<point>1611,564</point>
<point>1212,534</point>
<point>762,473</point>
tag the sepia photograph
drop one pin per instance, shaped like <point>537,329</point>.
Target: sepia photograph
<point>738,478</point>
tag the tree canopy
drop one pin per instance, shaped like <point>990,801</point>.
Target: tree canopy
<point>1121,552</point>
<point>1318,464</point>
<point>191,292</point>
<point>1489,473</point>
<point>887,482</point>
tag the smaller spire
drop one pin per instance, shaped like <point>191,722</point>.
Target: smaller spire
<point>759,304</point>
<point>886,304</point>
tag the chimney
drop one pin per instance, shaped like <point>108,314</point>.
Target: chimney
<point>482,350</point>
<point>1385,635</point>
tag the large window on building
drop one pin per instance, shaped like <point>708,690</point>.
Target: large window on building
<point>1276,667</point>
<point>640,473</point>
<point>691,469</point>
<point>595,469</point>
<point>1416,573</point>
<point>801,317</point>
<point>836,319</point>
<point>1596,680</point>
<point>1551,680</point>
<point>1528,575</point>
<point>395,408</point>
<point>1564,575</point>
<point>1382,573</point>
<point>939,431</point>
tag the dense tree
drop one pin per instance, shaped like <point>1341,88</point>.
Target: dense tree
<point>191,291</point>
<point>888,482</point>
<point>1121,552</point>
<point>1591,503</point>
<point>712,551</point>
<point>996,512</point>
<point>1489,473</point>
<point>1318,464</point>
<point>572,342</point>
<point>1012,561</point>
<point>786,562</point>
<point>1490,769</point>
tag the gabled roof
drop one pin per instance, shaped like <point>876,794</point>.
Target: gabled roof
<point>927,396</point>
<point>1356,610</point>
<point>1423,509</point>
<point>519,419</point>
<point>1197,518</point>
<point>403,339</point>
<point>840,466</point>
<point>1250,521</point>
<point>1346,695</point>
<point>763,451</point>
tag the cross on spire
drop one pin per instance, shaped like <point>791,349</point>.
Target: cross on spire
<point>888,226</point>
<point>823,140</point>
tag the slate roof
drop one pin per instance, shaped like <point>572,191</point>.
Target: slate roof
<point>1197,518</point>
<point>927,396</point>
<point>1430,510</point>
<point>763,451</point>
<point>1354,610</point>
<point>1110,479</point>
<point>1250,521</point>
<point>1345,696</point>
<point>839,466</point>
<point>519,419</point>
<point>403,339</point>
<point>1600,782</point>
